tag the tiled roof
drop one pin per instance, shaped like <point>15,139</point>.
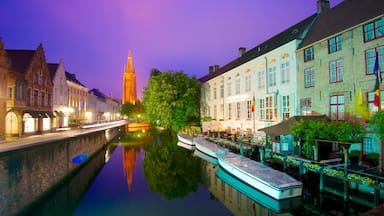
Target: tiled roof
<point>52,67</point>
<point>343,16</point>
<point>72,77</point>
<point>98,93</point>
<point>19,60</point>
<point>294,32</point>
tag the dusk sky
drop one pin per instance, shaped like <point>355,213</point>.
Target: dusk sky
<point>93,37</point>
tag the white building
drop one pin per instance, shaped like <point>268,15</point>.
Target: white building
<point>60,94</point>
<point>101,108</point>
<point>264,76</point>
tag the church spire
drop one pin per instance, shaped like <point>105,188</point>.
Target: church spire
<point>129,83</point>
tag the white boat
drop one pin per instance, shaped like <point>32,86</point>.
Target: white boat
<point>274,183</point>
<point>186,146</point>
<point>207,147</point>
<point>185,138</point>
<point>278,206</point>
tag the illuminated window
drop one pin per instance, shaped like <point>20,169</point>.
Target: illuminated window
<point>337,105</point>
<point>249,109</point>
<point>306,106</point>
<point>229,111</point>
<point>286,107</point>
<point>238,111</point>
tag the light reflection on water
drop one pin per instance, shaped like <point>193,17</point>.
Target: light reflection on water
<point>146,173</point>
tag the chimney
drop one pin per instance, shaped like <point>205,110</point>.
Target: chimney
<point>241,51</point>
<point>322,6</point>
<point>216,67</point>
<point>211,69</point>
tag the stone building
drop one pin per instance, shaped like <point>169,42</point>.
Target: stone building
<point>29,101</point>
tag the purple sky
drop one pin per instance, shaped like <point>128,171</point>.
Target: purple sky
<point>93,36</point>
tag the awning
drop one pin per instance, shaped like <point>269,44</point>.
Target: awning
<point>59,114</point>
<point>282,128</point>
<point>40,114</point>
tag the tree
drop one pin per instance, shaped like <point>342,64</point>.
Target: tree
<point>171,99</point>
<point>132,110</point>
<point>377,125</point>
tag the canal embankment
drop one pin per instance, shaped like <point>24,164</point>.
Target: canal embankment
<point>30,167</point>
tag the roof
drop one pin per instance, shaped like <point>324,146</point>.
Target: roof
<point>52,69</point>
<point>343,16</point>
<point>19,60</point>
<point>98,93</point>
<point>283,127</point>
<point>294,32</point>
<point>72,78</point>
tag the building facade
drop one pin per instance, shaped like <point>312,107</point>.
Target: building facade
<point>29,93</point>
<point>3,88</point>
<point>102,108</point>
<point>257,89</point>
<point>129,82</point>
<point>60,97</point>
<point>77,100</point>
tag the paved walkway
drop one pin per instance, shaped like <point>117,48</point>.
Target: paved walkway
<point>23,142</point>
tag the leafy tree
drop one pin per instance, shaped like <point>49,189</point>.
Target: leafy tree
<point>377,123</point>
<point>171,99</point>
<point>132,110</point>
<point>170,170</point>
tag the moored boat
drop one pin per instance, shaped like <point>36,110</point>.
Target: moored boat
<point>274,183</point>
<point>185,138</point>
<point>207,147</point>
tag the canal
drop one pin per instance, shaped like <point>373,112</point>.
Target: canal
<point>144,172</point>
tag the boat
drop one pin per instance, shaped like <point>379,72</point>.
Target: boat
<point>185,139</point>
<point>186,146</point>
<point>278,206</point>
<point>207,147</point>
<point>274,183</point>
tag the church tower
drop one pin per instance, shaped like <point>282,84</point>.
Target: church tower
<point>129,83</point>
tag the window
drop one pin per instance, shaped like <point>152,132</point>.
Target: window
<point>370,57</point>
<point>367,145</point>
<point>306,106</point>
<point>229,111</point>
<point>221,112</point>
<point>249,109</point>
<point>238,86</point>
<point>309,54</point>
<point>248,82</point>
<point>214,93</point>
<point>335,44</point>
<point>261,109</point>
<point>337,107</point>
<point>272,76</point>
<point>261,79</point>
<point>309,77</point>
<point>371,106</point>
<point>10,93</point>
<point>43,101</point>
<point>268,108</point>
<point>336,71</point>
<point>373,30</point>
<point>238,111</point>
<point>286,107</point>
<point>221,89</point>
<point>29,96</point>
<point>229,89</point>
<point>285,72</point>
<point>36,98</point>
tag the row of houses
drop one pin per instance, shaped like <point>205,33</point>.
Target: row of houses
<point>37,96</point>
<point>322,65</point>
